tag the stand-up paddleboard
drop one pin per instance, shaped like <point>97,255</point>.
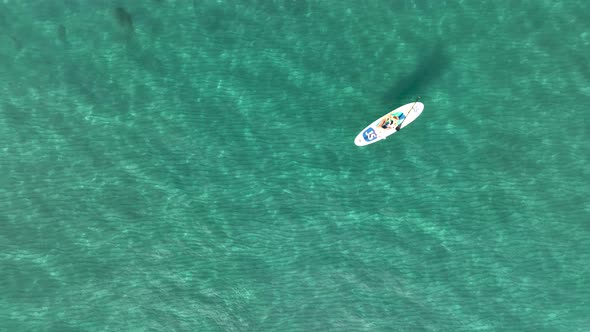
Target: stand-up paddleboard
<point>389,124</point>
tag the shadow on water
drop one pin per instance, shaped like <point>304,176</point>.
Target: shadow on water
<point>123,18</point>
<point>430,67</point>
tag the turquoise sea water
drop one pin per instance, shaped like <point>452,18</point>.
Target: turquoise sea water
<point>190,166</point>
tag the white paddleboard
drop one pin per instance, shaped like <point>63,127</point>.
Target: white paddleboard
<point>375,132</point>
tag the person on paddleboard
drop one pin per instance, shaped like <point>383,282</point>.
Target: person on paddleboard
<point>392,120</point>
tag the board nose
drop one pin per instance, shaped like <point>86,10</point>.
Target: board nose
<point>358,141</point>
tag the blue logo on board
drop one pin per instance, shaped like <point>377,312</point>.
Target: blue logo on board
<point>369,135</point>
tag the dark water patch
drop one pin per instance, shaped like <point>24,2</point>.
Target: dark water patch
<point>582,62</point>
<point>14,115</point>
<point>296,7</point>
<point>3,19</point>
<point>150,62</point>
<point>16,43</point>
<point>79,84</point>
<point>62,34</point>
<point>123,18</point>
<point>397,6</point>
<point>430,67</point>
<point>213,18</point>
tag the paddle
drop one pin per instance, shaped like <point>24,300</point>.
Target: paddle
<point>399,126</point>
